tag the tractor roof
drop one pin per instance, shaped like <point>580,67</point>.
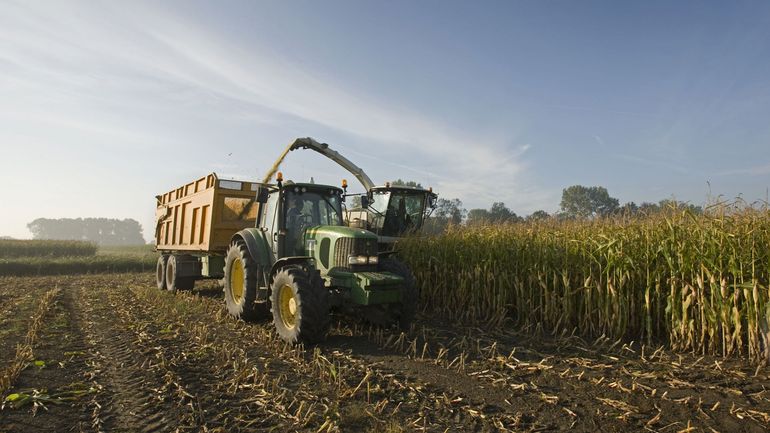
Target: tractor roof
<point>311,186</point>
<point>401,188</point>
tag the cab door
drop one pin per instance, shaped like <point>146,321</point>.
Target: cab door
<point>270,222</point>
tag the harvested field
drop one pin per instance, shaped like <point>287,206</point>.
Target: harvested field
<point>110,352</point>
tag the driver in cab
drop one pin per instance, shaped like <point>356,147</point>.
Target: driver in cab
<point>294,214</point>
<point>294,219</point>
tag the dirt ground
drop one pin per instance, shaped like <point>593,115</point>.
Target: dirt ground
<point>112,353</point>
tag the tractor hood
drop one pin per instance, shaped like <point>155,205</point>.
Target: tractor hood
<point>337,232</point>
<point>332,246</point>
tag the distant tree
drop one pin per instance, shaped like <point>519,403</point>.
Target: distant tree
<point>6,238</point>
<point>103,231</point>
<point>499,213</point>
<point>648,208</point>
<point>448,212</point>
<point>478,216</point>
<point>665,205</point>
<point>580,201</point>
<point>538,215</point>
<point>673,204</point>
<point>399,182</point>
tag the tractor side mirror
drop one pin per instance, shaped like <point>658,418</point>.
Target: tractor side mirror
<point>364,202</point>
<point>432,199</point>
<point>262,194</point>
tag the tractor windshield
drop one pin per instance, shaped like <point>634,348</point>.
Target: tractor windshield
<point>397,213</point>
<point>312,208</point>
<point>307,209</point>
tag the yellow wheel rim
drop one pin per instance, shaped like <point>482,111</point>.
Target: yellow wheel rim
<point>236,281</point>
<point>288,306</point>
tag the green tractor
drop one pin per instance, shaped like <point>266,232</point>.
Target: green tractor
<point>302,262</point>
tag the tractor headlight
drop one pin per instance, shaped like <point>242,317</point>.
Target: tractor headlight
<point>358,260</point>
<point>373,260</point>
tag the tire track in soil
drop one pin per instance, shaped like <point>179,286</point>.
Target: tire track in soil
<point>600,390</point>
<point>125,403</point>
<point>477,404</point>
<point>551,400</point>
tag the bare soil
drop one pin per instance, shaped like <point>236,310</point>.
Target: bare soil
<point>116,354</point>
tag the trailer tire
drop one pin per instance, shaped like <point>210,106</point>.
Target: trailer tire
<point>300,305</point>
<point>241,282</point>
<point>160,272</point>
<point>174,281</point>
<point>407,308</point>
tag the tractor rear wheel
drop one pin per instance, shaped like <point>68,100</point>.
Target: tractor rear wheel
<point>174,281</point>
<point>241,282</point>
<point>405,310</point>
<point>160,272</point>
<point>300,305</point>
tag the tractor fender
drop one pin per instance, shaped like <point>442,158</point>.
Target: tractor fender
<point>286,261</point>
<point>257,244</point>
<point>259,249</point>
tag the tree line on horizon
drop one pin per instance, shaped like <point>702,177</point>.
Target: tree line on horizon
<point>102,231</point>
<point>577,202</point>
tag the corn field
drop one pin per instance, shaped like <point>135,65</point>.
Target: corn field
<point>696,282</point>
<point>60,257</point>
<point>45,248</point>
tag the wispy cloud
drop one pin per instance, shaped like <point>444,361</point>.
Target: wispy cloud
<point>104,53</point>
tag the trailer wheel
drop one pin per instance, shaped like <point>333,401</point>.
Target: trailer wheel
<point>300,305</point>
<point>160,272</point>
<point>241,282</point>
<point>407,308</point>
<point>175,282</point>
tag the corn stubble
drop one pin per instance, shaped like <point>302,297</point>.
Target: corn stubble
<point>696,282</point>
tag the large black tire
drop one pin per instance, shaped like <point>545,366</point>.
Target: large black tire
<point>300,305</point>
<point>160,272</point>
<point>403,312</point>
<point>241,277</point>
<point>175,282</point>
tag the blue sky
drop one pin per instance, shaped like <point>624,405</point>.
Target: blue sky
<point>105,104</point>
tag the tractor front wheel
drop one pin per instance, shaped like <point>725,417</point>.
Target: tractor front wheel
<point>300,305</point>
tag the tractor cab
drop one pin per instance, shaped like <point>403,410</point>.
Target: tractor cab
<point>393,211</point>
<point>290,209</point>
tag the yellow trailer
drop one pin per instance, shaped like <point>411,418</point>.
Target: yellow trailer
<point>194,224</point>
